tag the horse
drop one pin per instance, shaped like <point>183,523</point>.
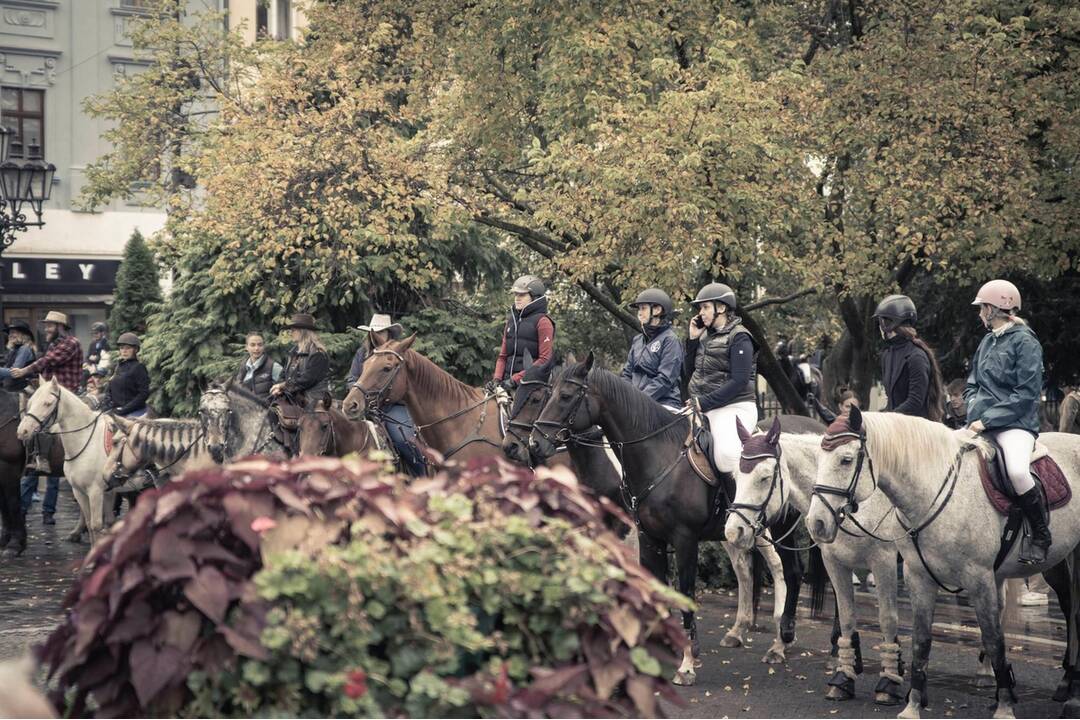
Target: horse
<point>777,470</point>
<point>951,532</point>
<point>12,464</point>
<point>238,420</point>
<point>453,418</point>
<point>671,502</point>
<point>593,464</point>
<point>83,432</point>
<point>326,431</point>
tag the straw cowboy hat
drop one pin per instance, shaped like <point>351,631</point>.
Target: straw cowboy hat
<point>379,322</point>
<point>57,317</point>
<point>302,321</point>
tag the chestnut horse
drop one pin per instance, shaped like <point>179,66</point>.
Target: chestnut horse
<point>326,431</point>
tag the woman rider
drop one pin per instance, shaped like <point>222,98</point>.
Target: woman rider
<point>307,370</point>
<point>529,333</point>
<point>1002,393</point>
<point>721,358</point>
<point>909,368</point>
<point>129,389</point>
<point>654,364</point>
<point>395,418</point>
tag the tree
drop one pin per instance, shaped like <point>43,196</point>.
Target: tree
<point>138,289</point>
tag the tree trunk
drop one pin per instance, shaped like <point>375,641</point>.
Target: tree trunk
<point>770,369</point>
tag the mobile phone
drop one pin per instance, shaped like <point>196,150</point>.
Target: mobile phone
<point>698,322</point>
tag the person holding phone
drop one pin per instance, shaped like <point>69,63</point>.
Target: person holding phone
<point>721,360</point>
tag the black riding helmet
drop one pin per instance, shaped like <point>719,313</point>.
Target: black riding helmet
<point>654,296</point>
<point>716,292</point>
<point>896,310</point>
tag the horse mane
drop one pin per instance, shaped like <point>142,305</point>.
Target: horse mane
<point>432,381</point>
<point>245,394</point>
<point>640,414</point>
<point>914,443</point>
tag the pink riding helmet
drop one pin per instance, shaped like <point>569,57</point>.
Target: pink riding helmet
<point>999,293</point>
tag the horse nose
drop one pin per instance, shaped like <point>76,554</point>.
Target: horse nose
<point>217,452</point>
<point>733,532</point>
<point>817,528</point>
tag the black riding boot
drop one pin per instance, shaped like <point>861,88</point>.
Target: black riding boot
<point>1033,504</point>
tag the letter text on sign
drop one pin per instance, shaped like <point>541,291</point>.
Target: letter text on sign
<point>87,270</point>
<point>52,271</point>
<point>17,271</point>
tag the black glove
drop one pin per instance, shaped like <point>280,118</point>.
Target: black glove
<point>509,385</point>
<point>490,386</point>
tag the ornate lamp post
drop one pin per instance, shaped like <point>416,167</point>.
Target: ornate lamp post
<point>23,183</point>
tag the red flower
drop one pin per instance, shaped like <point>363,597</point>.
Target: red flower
<point>502,687</point>
<point>356,684</point>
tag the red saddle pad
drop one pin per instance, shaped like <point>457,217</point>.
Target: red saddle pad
<point>1058,492</point>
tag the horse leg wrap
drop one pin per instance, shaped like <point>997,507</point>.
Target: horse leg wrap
<point>842,684</point>
<point>1006,681</point>
<point>918,682</point>
<point>900,657</point>
<point>857,646</point>
<point>887,691</point>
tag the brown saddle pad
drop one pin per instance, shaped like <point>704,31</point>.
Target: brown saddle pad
<point>1055,485</point>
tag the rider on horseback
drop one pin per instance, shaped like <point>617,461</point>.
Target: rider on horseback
<point>529,332</point>
<point>20,354</point>
<point>909,369</point>
<point>307,371</point>
<point>128,390</point>
<point>655,361</point>
<point>396,420</point>
<point>259,372</point>
<point>721,358</point>
<point>1003,392</point>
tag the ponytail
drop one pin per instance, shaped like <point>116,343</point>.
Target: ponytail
<point>935,393</point>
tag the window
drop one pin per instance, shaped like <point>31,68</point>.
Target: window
<point>284,21</point>
<point>262,20</point>
<point>23,112</point>
<point>135,4</point>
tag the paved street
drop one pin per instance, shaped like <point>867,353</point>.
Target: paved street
<point>731,683</point>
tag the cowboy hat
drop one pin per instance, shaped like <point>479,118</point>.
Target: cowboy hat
<point>303,321</point>
<point>379,322</point>
<point>20,325</point>
<point>57,317</point>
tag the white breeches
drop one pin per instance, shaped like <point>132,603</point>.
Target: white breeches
<point>1017,446</point>
<point>726,443</point>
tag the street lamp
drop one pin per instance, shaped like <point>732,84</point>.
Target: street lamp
<point>20,183</point>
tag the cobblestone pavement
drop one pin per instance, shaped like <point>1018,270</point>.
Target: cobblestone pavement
<point>730,683</point>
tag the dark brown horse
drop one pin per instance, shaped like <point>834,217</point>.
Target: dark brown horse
<point>663,486</point>
<point>326,431</point>
<point>12,468</point>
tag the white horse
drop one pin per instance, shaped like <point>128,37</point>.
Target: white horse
<point>56,410</point>
<point>930,474</point>
<point>778,470</point>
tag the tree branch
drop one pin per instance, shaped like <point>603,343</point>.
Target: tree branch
<point>780,300</point>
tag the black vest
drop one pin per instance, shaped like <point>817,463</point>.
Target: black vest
<point>712,364</point>
<point>522,335</point>
<point>261,380</point>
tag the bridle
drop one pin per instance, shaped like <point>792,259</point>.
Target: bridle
<point>851,504</point>
<point>564,428</point>
<point>50,419</point>
<point>760,515</point>
<point>374,398</point>
<point>205,417</point>
<point>515,426</point>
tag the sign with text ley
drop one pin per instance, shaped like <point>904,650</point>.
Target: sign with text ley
<point>59,276</point>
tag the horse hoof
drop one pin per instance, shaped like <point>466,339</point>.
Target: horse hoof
<point>74,538</point>
<point>1061,694</point>
<point>840,693</point>
<point>1005,713</point>
<point>888,693</point>
<point>774,657</point>
<point>731,640</point>
<point>1071,709</point>
<point>685,679</point>
<point>911,712</point>
<point>985,681</point>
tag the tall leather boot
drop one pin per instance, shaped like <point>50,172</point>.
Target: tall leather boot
<point>1033,505</point>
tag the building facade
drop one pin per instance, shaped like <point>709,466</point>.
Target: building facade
<point>53,55</point>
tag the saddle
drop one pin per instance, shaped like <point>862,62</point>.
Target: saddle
<point>700,438</point>
<point>1047,474</point>
<point>288,415</point>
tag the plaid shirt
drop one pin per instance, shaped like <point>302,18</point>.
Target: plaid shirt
<point>63,360</point>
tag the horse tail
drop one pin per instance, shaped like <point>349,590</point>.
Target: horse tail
<point>818,579</point>
<point>758,569</point>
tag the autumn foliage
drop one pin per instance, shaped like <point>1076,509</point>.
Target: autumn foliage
<point>331,587</point>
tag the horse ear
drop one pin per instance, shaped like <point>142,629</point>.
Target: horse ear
<point>327,401</point>
<point>406,343</point>
<point>744,434</point>
<point>855,418</point>
<point>774,432</point>
<point>589,361</point>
